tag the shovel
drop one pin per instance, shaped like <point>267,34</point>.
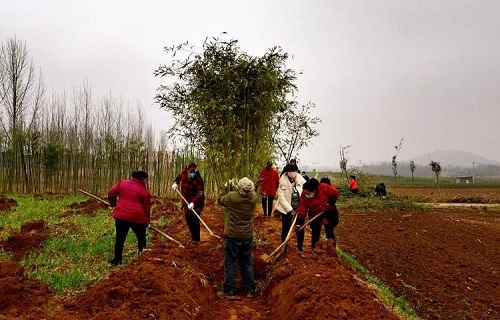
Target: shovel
<point>198,216</point>
<point>269,258</point>
<point>151,227</point>
<point>266,257</point>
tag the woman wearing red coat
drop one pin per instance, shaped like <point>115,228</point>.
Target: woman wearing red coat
<point>316,198</point>
<point>132,203</point>
<point>269,180</point>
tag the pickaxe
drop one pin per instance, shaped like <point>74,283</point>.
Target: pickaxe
<point>150,226</point>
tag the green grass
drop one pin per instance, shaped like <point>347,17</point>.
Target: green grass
<point>77,252</point>
<point>403,309</point>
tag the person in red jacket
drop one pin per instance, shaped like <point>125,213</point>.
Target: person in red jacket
<point>316,198</point>
<point>132,210</point>
<point>192,189</point>
<point>269,180</point>
<point>353,184</point>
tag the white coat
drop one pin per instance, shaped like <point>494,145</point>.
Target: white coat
<point>284,192</point>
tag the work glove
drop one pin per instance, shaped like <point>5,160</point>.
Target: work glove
<point>148,225</point>
<point>297,228</point>
<point>191,206</point>
<point>174,186</point>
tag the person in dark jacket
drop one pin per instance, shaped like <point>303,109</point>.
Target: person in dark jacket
<point>316,198</point>
<point>192,189</point>
<point>132,210</point>
<point>238,233</point>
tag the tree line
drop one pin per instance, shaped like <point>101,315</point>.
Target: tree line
<point>232,111</point>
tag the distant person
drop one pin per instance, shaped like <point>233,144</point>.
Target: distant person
<point>353,184</point>
<point>316,198</point>
<point>326,180</point>
<point>131,201</point>
<point>192,189</point>
<point>268,181</point>
<point>289,191</point>
<point>380,190</point>
<point>238,232</point>
<point>304,175</point>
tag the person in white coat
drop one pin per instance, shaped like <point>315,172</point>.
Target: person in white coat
<point>289,191</point>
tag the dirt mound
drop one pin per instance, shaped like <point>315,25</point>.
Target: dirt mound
<point>169,282</point>
<point>30,238</point>
<point>318,285</point>
<point>21,297</point>
<point>6,203</point>
<point>88,207</point>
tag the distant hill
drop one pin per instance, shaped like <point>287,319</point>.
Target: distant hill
<point>452,158</point>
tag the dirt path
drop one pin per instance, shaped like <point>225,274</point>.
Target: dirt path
<point>168,282</point>
<point>445,262</point>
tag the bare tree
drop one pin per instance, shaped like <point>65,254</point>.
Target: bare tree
<point>343,160</point>
<point>21,97</point>
<point>394,163</point>
<point>436,168</point>
<point>412,169</point>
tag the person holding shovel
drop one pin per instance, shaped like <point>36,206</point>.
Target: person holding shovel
<point>238,234</point>
<point>289,191</point>
<point>192,189</point>
<point>132,210</point>
<point>319,198</point>
<point>268,181</point>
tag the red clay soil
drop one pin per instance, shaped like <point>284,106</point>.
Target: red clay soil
<point>444,262</point>
<point>448,194</point>
<point>29,238</point>
<point>6,203</point>
<point>88,207</point>
<point>22,298</point>
<point>169,282</point>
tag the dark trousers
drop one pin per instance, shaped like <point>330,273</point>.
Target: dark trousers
<point>193,223</point>
<point>238,250</point>
<point>267,205</point>
<point>122,228</point>
<point>332,216</point>
<point>286,224</point>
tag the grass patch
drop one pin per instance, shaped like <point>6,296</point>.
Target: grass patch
<point>403,309</point>
<point>379,204</point>
<point>78,249</point>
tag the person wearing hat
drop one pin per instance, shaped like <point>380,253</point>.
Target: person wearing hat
<point>238,234</point>
<point>269,180</point>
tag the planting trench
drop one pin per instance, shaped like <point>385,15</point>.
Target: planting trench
<point>169,282</point>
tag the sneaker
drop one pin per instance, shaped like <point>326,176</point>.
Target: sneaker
<point>227,295</point>
<point>251,293</point>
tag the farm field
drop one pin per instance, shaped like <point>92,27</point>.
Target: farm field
<point>459,194</point>
<point>169,282</point>
<point>444,262</point>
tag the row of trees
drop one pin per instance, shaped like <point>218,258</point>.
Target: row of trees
<point>232,113</point>
<point>60,143</point>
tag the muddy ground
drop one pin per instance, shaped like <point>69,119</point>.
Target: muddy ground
<point>443,261</point>
<point>457,194</point>
<point>169,282</point>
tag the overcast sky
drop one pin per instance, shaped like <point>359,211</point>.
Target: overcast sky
<point>428,71</point>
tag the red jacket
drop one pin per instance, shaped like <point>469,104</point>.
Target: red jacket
<point>132,201</point>
<point>192,189</point>
<point>325,193</point>
<point>353,184</point>
<point>269,180</point>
